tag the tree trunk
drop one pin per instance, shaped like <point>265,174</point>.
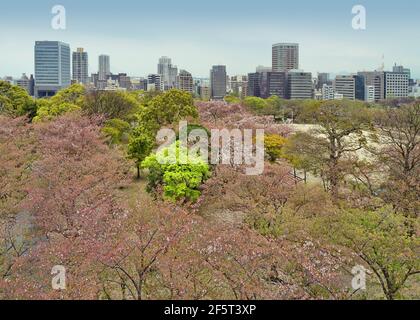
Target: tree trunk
<point>138,172</point>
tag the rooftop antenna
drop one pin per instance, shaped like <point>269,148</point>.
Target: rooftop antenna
<point>382,68</point>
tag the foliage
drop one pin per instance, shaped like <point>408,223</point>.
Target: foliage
<point>66,100</point>
<point>399,152</point>
<point>180,181</point>
<point>139,147</point>
<point>385,241</point>
<point>47,110</point>
<point>273,146</point>
<point>117,131</point>
<point>72,95</point>
<point>306,152</point>
<point>255,104</point>
<point>71,208</point>
<point>15,101</point>
<point>232,99</point>
<point>166,109</point>
<point>339,132</point>
<point>111,104</point>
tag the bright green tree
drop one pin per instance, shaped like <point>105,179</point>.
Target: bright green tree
<point>67,100</point>
<point>255,104</point>
<point>232,99</point>
<point>47,110</point>
<point>72,95</point>
<point>140,146</point>
<point>15,101</point>
<point>180,180</point>
<point>166,109</point>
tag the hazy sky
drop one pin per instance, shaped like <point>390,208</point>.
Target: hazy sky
<point>198,34</point>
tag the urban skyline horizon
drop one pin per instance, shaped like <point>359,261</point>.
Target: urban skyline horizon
<point>95,70</point>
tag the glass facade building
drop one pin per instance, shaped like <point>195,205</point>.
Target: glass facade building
<point>52,67</point>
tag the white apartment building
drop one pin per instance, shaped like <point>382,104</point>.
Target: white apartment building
<point>327,92</point>
<point>396,85</point>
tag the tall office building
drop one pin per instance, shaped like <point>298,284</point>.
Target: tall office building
<point>346,86</point>
<point>168,72</point>
<point>352,87</point>
<point>396,85</point>
<point>375,79</point>
<point>104,67</point>
<point>360,87</point>
<point>218,83</point>
<point>52,67</point>
<point>267,84</point>
<point>285,57</point>
<point>185,81</point>
<point>299,85</point>
<point>239,86</point>
<point>80,66</point>
<point>272,84</point>
<point>155,83</point>
<point>254,84</point>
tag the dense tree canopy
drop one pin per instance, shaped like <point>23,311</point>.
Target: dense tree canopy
<point>68,197</point>
<point>15,101</point>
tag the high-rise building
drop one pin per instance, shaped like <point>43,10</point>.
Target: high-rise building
<point>218,82</point>
<point>254,84</point>
<point>168,72</point>
<point>185,81</point>
<point>352,87</point>
<point>299,85</point>
<point>396,85</point>
<point>239,86</point>
<point>285,57</point>
<point>267,84</point>
<point>80,66</point>
<point>375,79</point>
<point>346,86</point>
<point>360,87</point>
<point>104,67</point>
<point>155,83</point>
<point>52,67</point>
<point>272,84</point>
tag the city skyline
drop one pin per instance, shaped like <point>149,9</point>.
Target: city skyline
<point>195,42</point>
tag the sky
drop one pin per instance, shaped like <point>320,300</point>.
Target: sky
<point>197,34</point>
